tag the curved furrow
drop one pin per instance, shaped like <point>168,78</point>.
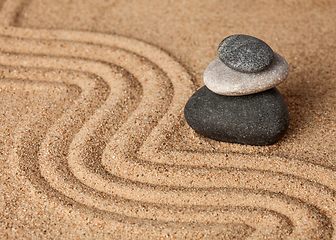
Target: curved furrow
<point>151,111</point>
<point>307,220</point>
<point>128,140</point>
<point>29,141</point>
<point>317,173</point>
<point>46,166</point>
<point>181,80</point>
<point>118,150</point>
<point>63,175</point>
<point>85,198</point>
<point>91,140</point>
<point>236,175</point>
<point>311,193</point>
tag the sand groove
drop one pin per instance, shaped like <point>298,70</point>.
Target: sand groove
<point>103,152</point>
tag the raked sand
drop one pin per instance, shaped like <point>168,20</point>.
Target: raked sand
<point>94,144</point>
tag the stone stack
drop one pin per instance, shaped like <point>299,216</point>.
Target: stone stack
<point>239,102</point>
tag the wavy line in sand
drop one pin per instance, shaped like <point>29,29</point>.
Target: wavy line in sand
<point>48,62</point>
<point>88,133</point>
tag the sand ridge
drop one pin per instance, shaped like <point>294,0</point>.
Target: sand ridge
<point>113,147</point>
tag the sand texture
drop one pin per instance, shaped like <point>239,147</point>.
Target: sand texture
<point>94,144</point>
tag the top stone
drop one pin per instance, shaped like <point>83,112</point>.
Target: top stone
<point>245,53</point>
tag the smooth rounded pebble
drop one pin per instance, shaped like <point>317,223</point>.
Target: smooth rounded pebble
<point>255,119</point>
<point>223,80</point>
<point>245,53</point>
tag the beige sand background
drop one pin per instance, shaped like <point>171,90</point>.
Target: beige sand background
<point>93,143</point>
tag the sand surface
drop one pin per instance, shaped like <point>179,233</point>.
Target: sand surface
<point>94,145</point>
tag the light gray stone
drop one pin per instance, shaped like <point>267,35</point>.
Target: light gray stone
<point>223,80</point>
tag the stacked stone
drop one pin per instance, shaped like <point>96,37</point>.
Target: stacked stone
<point>239,102</point>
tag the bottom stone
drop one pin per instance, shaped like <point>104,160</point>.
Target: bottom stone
<point>255,119</point>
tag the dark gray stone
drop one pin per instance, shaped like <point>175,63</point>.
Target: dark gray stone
<point>245,53</point>
<point>255,119</point>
